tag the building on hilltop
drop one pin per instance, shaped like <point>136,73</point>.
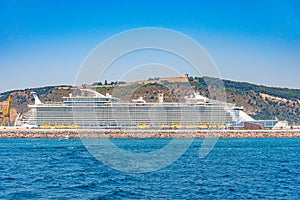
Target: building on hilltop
<point>175,79</point>
<point>184,79</point>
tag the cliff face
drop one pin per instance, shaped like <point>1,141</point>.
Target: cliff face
<point>259,101</point>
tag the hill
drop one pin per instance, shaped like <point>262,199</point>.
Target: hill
<point>259,101</point>
<point>22,98</point>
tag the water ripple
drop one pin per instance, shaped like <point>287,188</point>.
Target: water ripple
<point>235,169</point>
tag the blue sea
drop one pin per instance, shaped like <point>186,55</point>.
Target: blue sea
<point>234,169</point>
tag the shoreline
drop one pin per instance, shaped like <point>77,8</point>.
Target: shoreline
<point>94,133</point>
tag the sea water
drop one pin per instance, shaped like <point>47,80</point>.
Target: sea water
<point>234,169</point>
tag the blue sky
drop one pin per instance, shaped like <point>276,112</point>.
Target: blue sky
<point>45,42</point>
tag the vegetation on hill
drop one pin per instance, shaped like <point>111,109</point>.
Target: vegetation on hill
<point>22,98</point>
<point>260,102</point>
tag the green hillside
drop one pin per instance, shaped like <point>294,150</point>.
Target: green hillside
<point>263,102</point>
<point>259,101</point>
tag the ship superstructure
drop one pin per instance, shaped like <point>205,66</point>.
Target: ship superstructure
<point>90,109</point>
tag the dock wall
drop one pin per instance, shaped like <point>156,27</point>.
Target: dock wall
<point>93,133</point>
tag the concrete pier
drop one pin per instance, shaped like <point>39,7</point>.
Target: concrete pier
<point>94,133</point>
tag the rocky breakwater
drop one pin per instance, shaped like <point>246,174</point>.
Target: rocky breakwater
<point>96,133</point>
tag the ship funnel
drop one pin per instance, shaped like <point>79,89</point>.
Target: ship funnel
<point>36,98</point>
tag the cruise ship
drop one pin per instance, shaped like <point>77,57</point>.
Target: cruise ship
<point>90,109</point>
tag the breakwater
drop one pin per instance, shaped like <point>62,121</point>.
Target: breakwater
<point>94,133</point>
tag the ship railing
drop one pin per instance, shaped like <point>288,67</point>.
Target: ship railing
<point>86,104</point>
<point>144,104</point>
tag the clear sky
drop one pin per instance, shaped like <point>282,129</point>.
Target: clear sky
<point>45,42</point>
